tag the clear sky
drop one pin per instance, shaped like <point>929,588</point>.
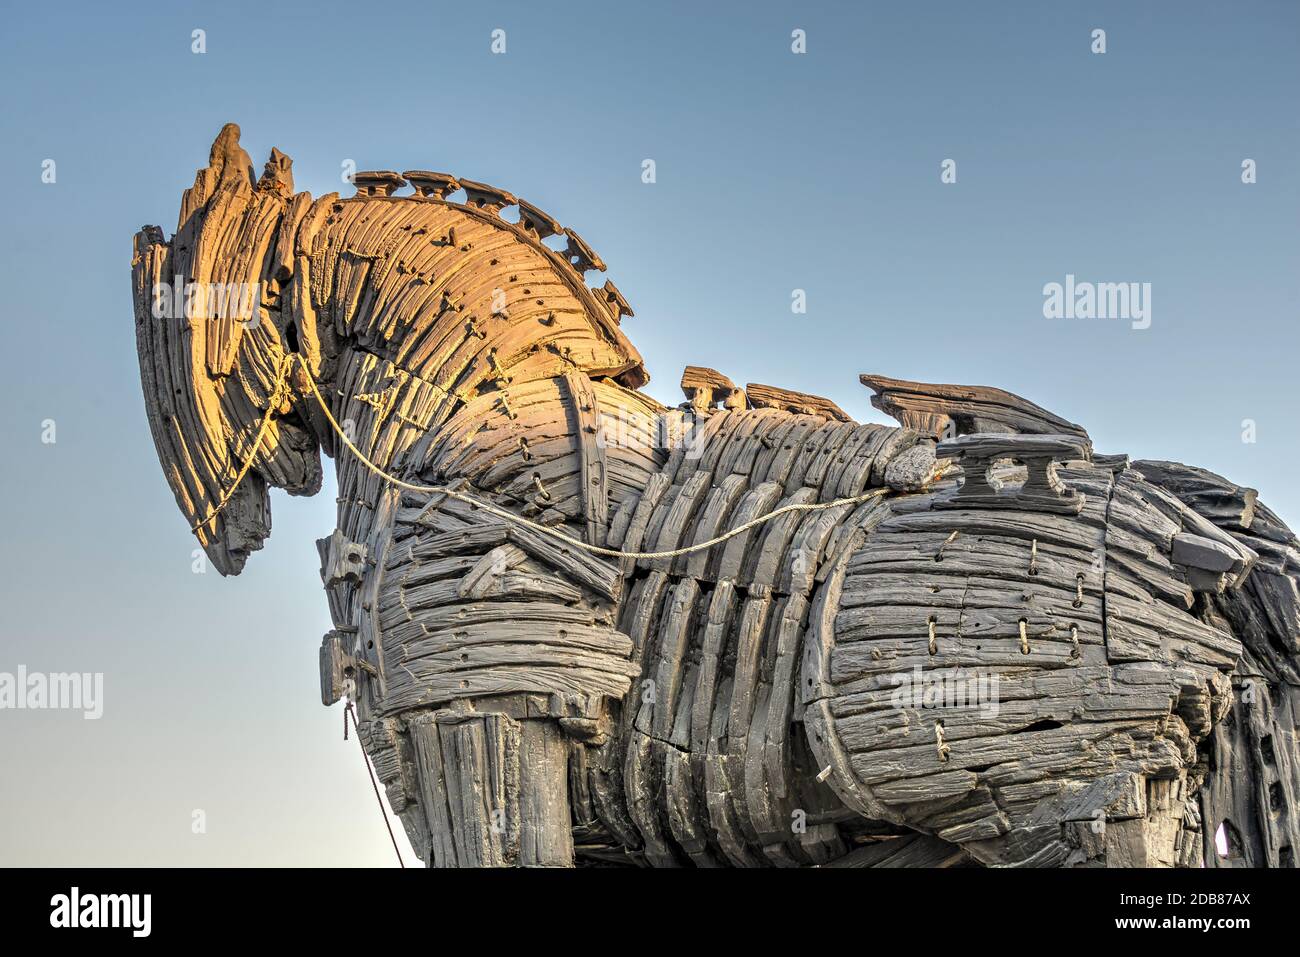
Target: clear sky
<point>774,172</point>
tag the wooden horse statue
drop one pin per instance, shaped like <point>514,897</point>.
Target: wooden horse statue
<point>576,632</point>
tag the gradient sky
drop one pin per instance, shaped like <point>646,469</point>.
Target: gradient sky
<point>775,172</point>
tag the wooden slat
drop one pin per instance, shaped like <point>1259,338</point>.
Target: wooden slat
<point>587,422</point>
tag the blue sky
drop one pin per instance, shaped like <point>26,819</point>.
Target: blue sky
<point>774,172</point>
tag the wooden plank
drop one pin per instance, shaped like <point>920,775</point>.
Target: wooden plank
<point>978,408</point>
<point>801,403</point>
<point>585,409</point>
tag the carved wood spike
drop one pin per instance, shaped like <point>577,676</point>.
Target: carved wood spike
<point>277,175</point>
<point>432,185</point>
<point>581,256</point>
<point>483,196</point>
<point>534,221</point>
<point>377,182</point>
<point>617,304</point>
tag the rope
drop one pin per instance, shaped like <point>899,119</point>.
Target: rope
<point>577,542</point>
<point>938,556</point>
<point>519,519</point>
<point>542,493</point>
<point>943,749</point>
<point>278,395</point>
<point>373,783</point>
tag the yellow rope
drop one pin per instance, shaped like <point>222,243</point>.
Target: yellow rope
<point>943,748</point>
<point>537,526</point>
<point>278,394</point>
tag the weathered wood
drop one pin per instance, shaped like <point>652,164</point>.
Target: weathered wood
<point>377,182</point>
<point>1040,658</point>
<point>912,850</point>
<point>705,388</point>
<point>493,790</point>
<point>431,185</point>
<point>771,397</point>
<point>1041,489</point>
<point>585,409</point>
<point>1209,495</point>
<point>485,577</point>
<point>337,669</point>
<point>973,408</point>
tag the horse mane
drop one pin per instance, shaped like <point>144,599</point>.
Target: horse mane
<point>454,292</point>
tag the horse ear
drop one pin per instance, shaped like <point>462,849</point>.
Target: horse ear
<point>211,349</point>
